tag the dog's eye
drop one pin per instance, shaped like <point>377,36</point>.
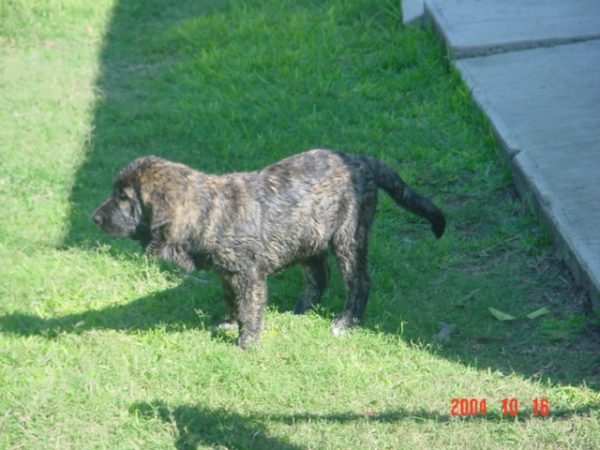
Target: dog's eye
<point>122,197</point>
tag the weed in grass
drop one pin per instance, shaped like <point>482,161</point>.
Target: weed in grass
<point>102,348</point>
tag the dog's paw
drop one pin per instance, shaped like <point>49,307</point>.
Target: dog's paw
<point>342,324</point>
<point>301,308</point>
<point>225,331</point>
<point>225,325</point>
<point>248,339</point>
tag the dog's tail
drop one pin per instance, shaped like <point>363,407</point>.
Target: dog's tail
<point>388,180</point>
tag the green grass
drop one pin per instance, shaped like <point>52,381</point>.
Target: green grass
<point>102,348</point>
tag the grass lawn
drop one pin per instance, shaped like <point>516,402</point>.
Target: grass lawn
<point>101,347</point>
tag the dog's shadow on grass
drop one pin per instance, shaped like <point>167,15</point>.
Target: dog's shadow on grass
<point>194,304</point>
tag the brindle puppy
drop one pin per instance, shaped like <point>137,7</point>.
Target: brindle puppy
<point>247,226</point>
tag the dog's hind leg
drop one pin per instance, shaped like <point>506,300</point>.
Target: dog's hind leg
<point>316,277</point>
<point>350,246</point>
<point>354,269</point>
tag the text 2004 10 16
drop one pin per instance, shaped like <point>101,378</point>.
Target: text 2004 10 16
<point>510,407</point>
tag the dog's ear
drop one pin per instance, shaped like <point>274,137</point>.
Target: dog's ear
<point>158,206</point>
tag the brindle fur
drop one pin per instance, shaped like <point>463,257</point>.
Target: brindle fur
<point>247,226</point>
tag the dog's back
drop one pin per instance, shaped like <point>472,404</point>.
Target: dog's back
<point>321,183</point>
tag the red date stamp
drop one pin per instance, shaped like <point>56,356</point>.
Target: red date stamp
<point>468,407</point>
<point>510,407</point>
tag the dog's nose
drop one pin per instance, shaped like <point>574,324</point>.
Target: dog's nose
<point>97,217</point>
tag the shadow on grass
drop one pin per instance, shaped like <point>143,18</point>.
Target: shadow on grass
<point>172,309</point>
<point>192,306</point>
<point>202,426</point>
<point>198,425</point>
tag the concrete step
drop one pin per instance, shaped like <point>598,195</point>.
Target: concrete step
<point>533,66</point>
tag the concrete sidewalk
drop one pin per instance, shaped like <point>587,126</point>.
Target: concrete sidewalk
<point>533,66</point>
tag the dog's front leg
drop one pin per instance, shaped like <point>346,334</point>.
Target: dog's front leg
<point>251,299</point>
<point>229,297</point>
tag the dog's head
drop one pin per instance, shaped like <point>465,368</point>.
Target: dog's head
<point>140,201</point>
